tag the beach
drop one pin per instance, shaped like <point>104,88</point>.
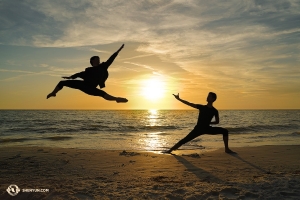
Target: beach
<point>264,172</point>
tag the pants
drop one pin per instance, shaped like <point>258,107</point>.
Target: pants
<point>197,131</point>
<point>83,86</point>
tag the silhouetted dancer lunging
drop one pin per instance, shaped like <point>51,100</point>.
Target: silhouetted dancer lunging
<point>92,77</point>
<point>207,112</point>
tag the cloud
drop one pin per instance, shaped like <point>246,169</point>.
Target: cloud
<point>48,70</point>
<point>179,29</point>
<point>141,65</point>
<point>20,73</point>
<point>228,42</point>
<point>140,56</point>
<point>17,71</point>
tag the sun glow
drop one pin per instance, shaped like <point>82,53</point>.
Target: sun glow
<point>153,89</point>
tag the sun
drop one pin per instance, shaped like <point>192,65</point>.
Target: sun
<point>153,89</point>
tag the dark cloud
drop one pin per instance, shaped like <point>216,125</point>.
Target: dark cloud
<point>276,15</point>
<point>19,21</point>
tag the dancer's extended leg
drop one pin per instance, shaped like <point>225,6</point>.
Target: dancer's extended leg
<point>193,134</point>
<point>117,99</point>
<point>81,85</point>
<point>53,93</point>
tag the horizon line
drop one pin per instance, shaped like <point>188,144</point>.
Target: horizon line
<point>152,109</point>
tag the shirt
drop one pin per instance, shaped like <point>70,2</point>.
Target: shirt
<point>205,115</point>
<point>97,75</point>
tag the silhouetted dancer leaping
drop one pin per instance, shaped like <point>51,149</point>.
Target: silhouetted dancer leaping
<point>207,112</point>
<point>92,77</point>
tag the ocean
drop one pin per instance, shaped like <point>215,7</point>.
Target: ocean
<point>144,130</point>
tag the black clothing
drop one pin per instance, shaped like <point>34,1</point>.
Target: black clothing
<point>205,115</point>
<point>95,76</point>
<point>197,131</point>
<point>203,124</point>
<point>83,86</point>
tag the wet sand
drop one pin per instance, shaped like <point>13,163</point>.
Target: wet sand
<point>265,172</point>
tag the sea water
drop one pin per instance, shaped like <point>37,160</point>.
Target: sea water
<point>146,130</point>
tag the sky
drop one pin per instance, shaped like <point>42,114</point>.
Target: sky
<point>247,52</point>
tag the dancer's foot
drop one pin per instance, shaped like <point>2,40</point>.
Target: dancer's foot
<point>167,151</point>
<point>121,100</point>
<point>229,151</point>
<point>51,95</point>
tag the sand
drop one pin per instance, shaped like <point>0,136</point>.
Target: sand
<point>265,172</point>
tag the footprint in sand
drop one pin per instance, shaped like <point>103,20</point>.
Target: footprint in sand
<point>125,153</point>
<point>194,155</point>
<point>179,191</point>
<point>16,156</point>
<point>230,193</point>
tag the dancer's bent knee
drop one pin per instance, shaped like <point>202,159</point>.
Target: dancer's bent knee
<point>225,133</point>
<point>61,84</point>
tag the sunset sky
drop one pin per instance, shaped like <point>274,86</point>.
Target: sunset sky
<point>248,52</point>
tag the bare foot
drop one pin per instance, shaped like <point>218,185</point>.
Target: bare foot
<point>229,151</point>
<point>51,95</point>
<point>121,100</point>
<point>167,151</point>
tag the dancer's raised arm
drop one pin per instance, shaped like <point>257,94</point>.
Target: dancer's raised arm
<point>120,48</point>
<point>112,57</point>
<point>185,102</point>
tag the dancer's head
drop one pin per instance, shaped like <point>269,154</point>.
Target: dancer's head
<point>211,97</point>
<point>95,61</point>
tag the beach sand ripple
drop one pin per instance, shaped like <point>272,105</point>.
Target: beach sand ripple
<point>266,172</point>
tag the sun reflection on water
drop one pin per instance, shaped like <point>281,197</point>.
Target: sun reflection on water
<point>152,117</point>
<point>153,140</point>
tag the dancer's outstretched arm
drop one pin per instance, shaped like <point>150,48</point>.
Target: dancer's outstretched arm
<point>77,75</point>
<point>185,102</point>
<point>112,57</point>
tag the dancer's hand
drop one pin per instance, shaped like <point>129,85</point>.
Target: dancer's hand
<point>67,77</point>
<point>121,48</point>
<point>176,96</point>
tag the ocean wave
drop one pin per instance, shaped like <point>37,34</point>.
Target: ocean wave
<point>163,133</point>
<point>86,129</point>
<point>96,128</point>
<point>159,127</point>
<point>296,134</point>
<point>129,128</point>
<point>74,122</point>
<point>23,139</point>
<point>58,138</point>
<point>260,128</point>
<point>9,140</point>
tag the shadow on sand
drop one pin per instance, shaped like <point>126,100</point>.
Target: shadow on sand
<point>200,173</point>
<point>251,164</point>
